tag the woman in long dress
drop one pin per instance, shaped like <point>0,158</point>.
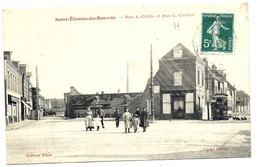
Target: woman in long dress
<point>144,120</point>
<point>89,120</point>
<point>127,119</point>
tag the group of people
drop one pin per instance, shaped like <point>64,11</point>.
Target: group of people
<point>90,121</point>
<point>133,120</point>
<point>139,118</point>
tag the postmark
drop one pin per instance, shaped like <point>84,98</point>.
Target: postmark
<point>217,32</point>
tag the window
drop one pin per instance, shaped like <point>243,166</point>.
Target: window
<point>8,82</point>
<point>202,79</point>
<point>177,52</point>
<point>198,77</point>
<point>177,78</point>
<point>156,89</point>
<point>189,103</point>
<point>15,84</point>
<point>166,103</point>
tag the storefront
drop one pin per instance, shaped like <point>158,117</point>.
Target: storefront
<point>13,109</point>
<point>178,105</point>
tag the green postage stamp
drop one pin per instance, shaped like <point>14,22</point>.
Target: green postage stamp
<point>217,32</point>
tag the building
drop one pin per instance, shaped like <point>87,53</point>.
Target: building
<point>37,104</point>
<point>18,93</point>
<point>242,102</point>
<point>26,105</point>
<point>56,105</point>
<point>221,94</point>
<point>77,104</point>
<point>13,85</point>
<point>179,83</point>
<point>184,87</point>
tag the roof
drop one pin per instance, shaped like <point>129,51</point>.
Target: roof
<point>186,53</point>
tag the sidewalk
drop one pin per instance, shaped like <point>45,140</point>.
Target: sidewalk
<point>19,124</point>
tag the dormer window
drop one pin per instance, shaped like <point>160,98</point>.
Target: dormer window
<point>177,52</point>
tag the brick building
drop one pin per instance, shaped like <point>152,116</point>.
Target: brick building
<point>18,100</point>
<point>76,103</point>
<point>184,87</point>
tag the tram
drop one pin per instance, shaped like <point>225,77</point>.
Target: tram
<point>219,107</point>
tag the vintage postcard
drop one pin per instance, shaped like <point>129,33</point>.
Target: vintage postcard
<point>120,83</point>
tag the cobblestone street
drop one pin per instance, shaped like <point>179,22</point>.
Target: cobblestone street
<point>57,140</point>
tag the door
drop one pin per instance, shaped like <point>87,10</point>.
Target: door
<point>22,111</point>
<point>178,107</point>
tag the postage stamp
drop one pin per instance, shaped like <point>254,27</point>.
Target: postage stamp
<point>217,32</point>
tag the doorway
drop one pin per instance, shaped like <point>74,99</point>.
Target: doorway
<point>178,107</point>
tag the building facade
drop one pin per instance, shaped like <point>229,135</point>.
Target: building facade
<point>242,102</point>
<point>38,104</point>
<point>77,104</point>
<point>18,100</point>
<point>184,87</point>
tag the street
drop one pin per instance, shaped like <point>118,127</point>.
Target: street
<point>55,139</point>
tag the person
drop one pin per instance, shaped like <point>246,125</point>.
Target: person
<point>127,119</point>
<point>143,119</point>
<point>117,116</point>
<point>180,112</point>
<point>214,29</point>
<point>137,112</point>
<point>101,113</point>
<point>98,122</point>
<point>135,122</point>
<point>88,120</point>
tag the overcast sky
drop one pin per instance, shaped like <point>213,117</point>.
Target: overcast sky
<point>92,55</point>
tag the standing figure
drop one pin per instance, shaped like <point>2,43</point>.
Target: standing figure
<point>144,120</point>
<point>180,112</point>
<point>214,29</point>
<point>98,122</point>
<point>101,113</point>
<point>117,116</point>
<point>88,120</point>
<point>135,122</point>
<point>127,119</point>
<point>137,112</point>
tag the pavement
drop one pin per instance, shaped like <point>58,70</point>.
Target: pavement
<point>55,139</point>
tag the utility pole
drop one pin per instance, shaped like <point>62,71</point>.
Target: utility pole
<point>151,84</point>
<point>37,95</point>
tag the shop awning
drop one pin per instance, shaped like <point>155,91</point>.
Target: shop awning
<point>27,105</point>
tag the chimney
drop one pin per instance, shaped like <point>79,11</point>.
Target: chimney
<point>16,64</point>
<point>7,55</point>
<point>72,89</point>
<point>22,68</point>
<point>29,74</point>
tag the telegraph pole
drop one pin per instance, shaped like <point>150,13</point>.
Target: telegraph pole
<point>151,84</point>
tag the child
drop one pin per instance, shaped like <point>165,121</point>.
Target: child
<point>98,122</point>
<point>135,122</point>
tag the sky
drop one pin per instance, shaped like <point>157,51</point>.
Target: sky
<point>92,55</point>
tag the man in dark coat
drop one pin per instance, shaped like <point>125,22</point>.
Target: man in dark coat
<point>137,112</point>
<point>143,119</point>
<point>117,116</point>
<point>101,113</point>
